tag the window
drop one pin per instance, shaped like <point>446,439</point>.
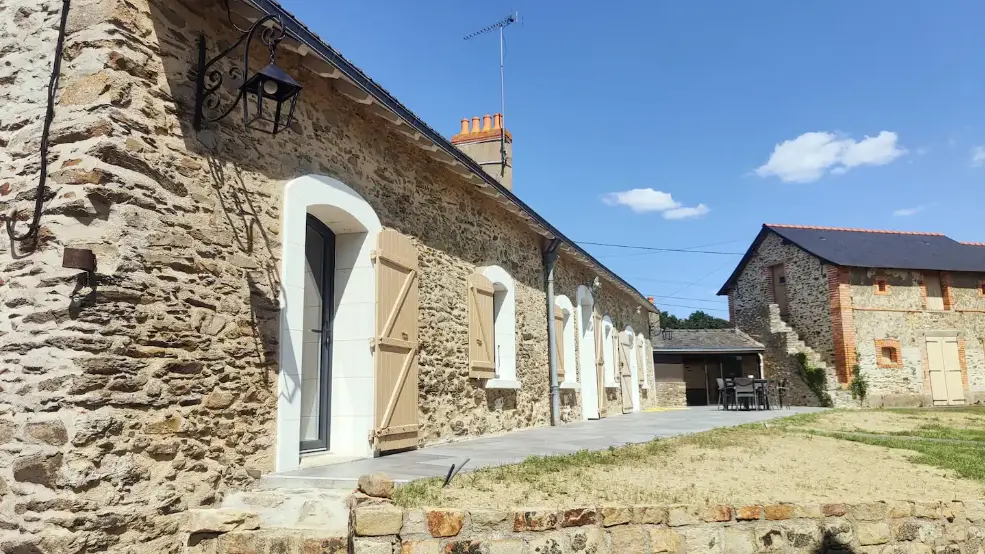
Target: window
<point>642,354</point>
<point>610,341</point>
<point>492,328</point>
<point>881,286</point>
<point>888,353</point>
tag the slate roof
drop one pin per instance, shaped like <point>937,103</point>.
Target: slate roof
<point>870,248</point>
<point>704,341</point>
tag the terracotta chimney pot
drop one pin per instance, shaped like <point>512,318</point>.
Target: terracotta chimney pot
<point>487,122</point>
<point>475,124</point>
<point>650,299</point>
<point>465,127</point>
<point>498,121</point>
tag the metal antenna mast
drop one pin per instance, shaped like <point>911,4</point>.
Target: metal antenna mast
<point>509,20</point>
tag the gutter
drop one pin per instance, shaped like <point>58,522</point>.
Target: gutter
<point>306,37</point>
<point>708,350</point>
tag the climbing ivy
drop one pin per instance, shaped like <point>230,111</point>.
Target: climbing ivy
<point>815,378</point>
<point>859,384</point>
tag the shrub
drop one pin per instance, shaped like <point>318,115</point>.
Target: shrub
<point>815,378</point>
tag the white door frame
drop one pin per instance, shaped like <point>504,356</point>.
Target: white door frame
<point>587,372</point>
<point>356,227</point>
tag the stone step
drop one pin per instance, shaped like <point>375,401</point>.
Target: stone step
<point>270,541</point>
<point>323,510</point>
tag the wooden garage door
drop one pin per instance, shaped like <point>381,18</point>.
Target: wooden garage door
<point>946,384</point>
<point>396,342</point>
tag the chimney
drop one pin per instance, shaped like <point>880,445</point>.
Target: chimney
<point>484,142</point>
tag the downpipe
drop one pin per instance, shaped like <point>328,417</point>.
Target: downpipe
<point>550,258</point>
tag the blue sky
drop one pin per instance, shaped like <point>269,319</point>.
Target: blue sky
<point>679,124</point>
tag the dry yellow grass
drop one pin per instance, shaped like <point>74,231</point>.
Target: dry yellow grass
<point>745,465</point>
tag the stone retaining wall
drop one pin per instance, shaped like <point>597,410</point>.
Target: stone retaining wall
<point>872,527</point>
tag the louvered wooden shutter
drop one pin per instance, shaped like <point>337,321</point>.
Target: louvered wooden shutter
<point>396,345</point>
<point>559,342</point>
<point>482,338</point>
<point>599,362</point>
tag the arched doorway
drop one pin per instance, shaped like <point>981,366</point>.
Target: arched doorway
<point>326,397</point>
<point>587,372</point>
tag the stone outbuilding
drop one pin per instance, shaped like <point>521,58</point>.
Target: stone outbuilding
<point>905,309</point>
<point>690,362</point>
<point>192,302</point>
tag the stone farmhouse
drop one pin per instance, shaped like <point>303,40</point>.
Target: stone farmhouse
<point>908,309</point>
<point>191,303</point>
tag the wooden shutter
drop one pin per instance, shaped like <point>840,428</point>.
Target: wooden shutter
<point>559,342</point>
<point>599,362</point>
<point>396,345</point>
<point>640,365</point>
<point>482,338</point>
<point>625,377</point>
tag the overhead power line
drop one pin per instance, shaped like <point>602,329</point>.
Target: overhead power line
<point>656,249</point>
<point>693,307</point>
<point>688,298</point>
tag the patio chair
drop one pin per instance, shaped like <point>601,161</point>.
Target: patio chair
<point>764,394</point>
<point>725,393</point>
<point>745,389</point>
<point>780,387</point>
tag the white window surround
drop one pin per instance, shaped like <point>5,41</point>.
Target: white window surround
<point>356,226</point>
<point>586,354</point>
<point>634,373</point>
<point>646,351</point>
<point>609,355</point>
<point>568,320</point>
<point>504,327</point>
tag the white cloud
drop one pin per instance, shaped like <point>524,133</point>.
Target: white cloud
<point>684,213</point>
<point>808,157</point>
<point>648,200</point>
<point>903,212</point>
<point>978,156</point>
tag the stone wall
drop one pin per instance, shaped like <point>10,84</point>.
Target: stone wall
<point>808,306</point>
<point>899,315</point>
<point>872,527</point>
<point>154,391</point>
<point>568,275</point>
<point>809,309</point>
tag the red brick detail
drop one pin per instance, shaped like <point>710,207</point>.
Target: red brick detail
<point>480,136</point>
<point>880,286</point>
<point>855,230</point>
<point>963,360</point>
<point>946,290</point>
<point>896,360</point>
<point>981,288</point>
<point>842,321</point>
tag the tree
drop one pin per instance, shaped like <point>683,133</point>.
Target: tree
<point>697,320</point>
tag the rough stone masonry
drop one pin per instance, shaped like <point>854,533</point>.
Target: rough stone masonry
<point>152,393</point>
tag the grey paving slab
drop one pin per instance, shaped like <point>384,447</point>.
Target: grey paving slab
<point>514,447</point>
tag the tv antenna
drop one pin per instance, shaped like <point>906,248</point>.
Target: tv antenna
<point>500,25</point>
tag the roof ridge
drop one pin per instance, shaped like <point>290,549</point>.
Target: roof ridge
<point>819,228</point>
<point>972,243</point>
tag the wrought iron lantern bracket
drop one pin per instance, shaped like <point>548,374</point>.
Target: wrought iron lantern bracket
<point>270,84</point>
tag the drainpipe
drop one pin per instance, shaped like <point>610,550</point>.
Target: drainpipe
<point>550,257</point>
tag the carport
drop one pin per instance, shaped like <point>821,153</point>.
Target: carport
<point>698,357</point>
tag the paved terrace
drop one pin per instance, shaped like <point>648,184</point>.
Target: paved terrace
<point>434,461</point>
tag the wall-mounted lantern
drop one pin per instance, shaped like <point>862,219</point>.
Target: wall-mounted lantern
<point>269,96</point>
